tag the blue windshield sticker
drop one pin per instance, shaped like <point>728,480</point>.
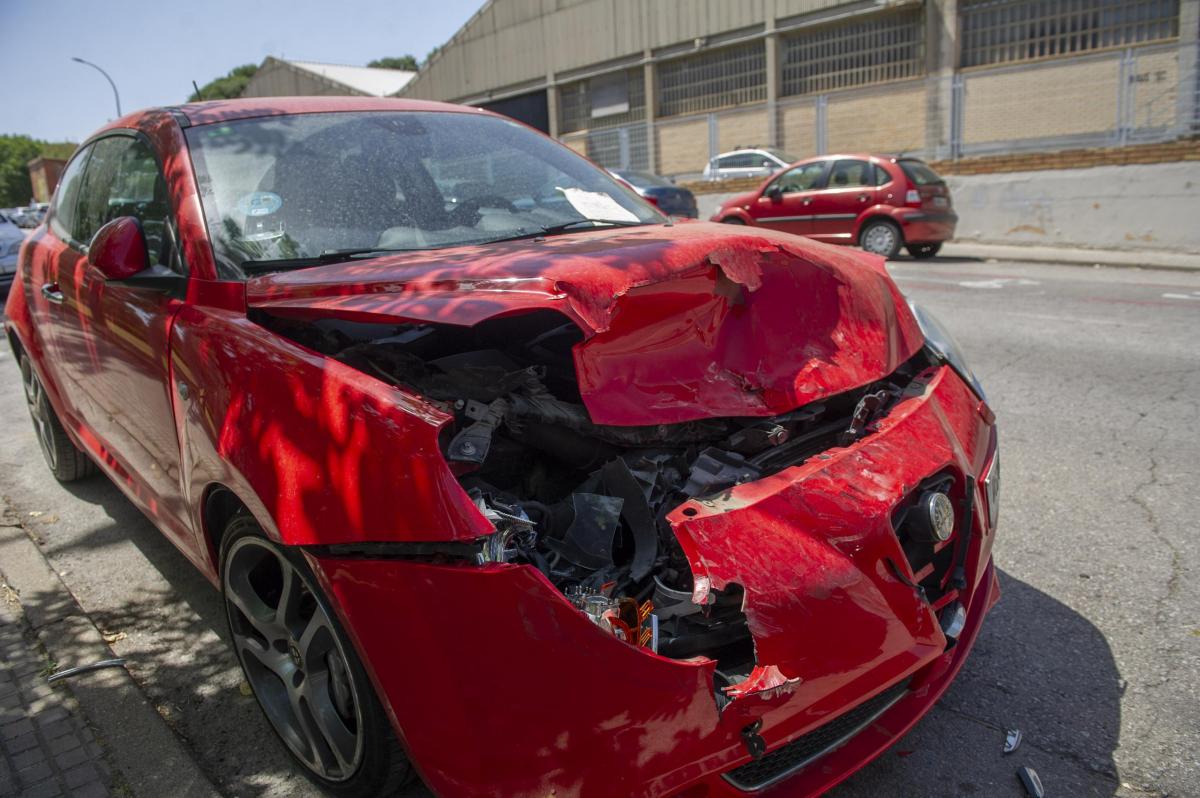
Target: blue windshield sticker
<point>260,203</point>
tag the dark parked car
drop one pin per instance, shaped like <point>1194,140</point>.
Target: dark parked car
<point>879,202</point>
<point>662,193</point>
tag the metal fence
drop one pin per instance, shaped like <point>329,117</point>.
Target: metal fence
<point>1034,75</point>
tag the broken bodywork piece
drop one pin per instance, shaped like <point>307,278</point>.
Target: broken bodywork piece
<point>579,426</point>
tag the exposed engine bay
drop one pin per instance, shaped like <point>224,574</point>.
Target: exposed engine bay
<point>585,503</point>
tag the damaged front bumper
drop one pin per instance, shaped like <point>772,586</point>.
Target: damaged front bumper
<point>498,685</point>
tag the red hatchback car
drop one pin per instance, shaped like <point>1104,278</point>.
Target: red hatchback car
<point>878,202</point>
<point>530,493</point>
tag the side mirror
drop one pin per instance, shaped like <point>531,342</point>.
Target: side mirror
<point>118,250</point>
<point>775,193</point>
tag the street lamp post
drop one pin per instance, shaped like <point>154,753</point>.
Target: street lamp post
<point>116,96</point>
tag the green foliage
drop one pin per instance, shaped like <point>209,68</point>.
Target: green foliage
<point>405,62</point>
<point>228,87</point>
<point>15,154</point>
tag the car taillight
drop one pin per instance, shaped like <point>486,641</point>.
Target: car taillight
<point>912,197</point>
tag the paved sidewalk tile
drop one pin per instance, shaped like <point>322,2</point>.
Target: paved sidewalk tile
<point>46,747</point>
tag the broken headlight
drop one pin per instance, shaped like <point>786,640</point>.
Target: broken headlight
<point>942,344</point>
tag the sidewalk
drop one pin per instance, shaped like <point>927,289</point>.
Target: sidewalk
<point>46,746</point>
<point>93,734</point>
<point>1149,259</point>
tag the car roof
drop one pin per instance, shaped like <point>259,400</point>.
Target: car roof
<point>210,111</point>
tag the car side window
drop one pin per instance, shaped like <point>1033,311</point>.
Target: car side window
<point>802,178</point>
<point>66,198</point>
<point>850,174</point>
<point>123,179</point>
<point>882,176</point>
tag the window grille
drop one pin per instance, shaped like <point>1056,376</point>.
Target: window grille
<point>1003,31</point>
<point>575,102</point>
<point>731,76</point>
<point>876,50</point>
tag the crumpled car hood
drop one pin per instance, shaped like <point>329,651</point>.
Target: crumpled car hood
<point>680,323</point>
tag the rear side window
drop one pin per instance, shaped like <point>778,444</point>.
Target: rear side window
<point>919,173</point>
<point>66,198</point>
<point>849,174</point>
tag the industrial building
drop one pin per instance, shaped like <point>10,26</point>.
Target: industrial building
<point>279,77</point>
<point>665,85</point>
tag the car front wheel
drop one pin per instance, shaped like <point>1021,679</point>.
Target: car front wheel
<point>881,237</point>
<point>303,669</point>
<point>66,460</point>
<point>924,251</point>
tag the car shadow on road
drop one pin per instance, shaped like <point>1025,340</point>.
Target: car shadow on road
<point>1038,666</point>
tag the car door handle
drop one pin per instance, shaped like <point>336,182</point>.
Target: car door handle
<point>807,201</point>
<point>51,292</point>
<point>863,197</point>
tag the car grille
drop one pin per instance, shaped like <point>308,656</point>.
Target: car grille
<point>803,751</point>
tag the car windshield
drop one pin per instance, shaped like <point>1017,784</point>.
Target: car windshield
<point>781,155</point>
<point>290,189</point>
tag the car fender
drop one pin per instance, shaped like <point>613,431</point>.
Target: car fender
<point>878,211</point>
<point>319,452</point>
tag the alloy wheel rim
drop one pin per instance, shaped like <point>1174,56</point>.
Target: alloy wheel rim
<point>879,240</point>
<point>293,659</point>
<point>35,398</point>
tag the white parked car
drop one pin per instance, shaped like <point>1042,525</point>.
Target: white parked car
<point>747,162</point>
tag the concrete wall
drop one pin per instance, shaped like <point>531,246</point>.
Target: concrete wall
<point>1147,207</point>
<point>1152,206</point>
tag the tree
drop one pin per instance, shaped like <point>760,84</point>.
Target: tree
<point>227,87</point>
<point>405,62</point>
<point>15,154</point>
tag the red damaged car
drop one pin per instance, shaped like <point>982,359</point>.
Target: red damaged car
<point>507,480</point>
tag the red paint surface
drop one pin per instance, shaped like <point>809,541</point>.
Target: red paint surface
<point>679,322</point>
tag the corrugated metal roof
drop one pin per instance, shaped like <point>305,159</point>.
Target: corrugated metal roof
<point>369,80</point>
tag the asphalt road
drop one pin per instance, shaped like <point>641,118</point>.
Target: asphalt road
<point>1093,652</point>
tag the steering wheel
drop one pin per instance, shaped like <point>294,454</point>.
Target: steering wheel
<point>470,208</point>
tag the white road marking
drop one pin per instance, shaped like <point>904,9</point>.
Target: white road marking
<point>1079,319</point>
<point>1194,295</point>
<point>998,282</point>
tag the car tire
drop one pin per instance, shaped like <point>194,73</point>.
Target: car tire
<point>67,461</point>
<point>303,669</point>
<point>924,251</point>
<point>732,220</point>
<point>881,237</point>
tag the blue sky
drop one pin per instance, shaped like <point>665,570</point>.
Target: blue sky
<point>153,49</point>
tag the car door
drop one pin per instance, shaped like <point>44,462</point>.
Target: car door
<point>56,250</point>
<point>849,190</point>
<point>113,339</point>
<point>787,202</point>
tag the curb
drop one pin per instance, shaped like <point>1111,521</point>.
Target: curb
<point>149,756</point>
<point>1166,261</point>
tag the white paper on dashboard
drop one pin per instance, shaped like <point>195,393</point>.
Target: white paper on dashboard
<point>597,205</point>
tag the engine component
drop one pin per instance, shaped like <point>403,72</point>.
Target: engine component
<point>715,469</point>
<point>589,539</point>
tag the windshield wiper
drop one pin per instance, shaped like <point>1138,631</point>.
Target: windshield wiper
<point>328,256</point>
<point>554,229</point>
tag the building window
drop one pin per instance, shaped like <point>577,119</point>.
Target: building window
<point>876,50</point>
<point>617,98</point>
<point>1003,31</point>
<point>731,76</point>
